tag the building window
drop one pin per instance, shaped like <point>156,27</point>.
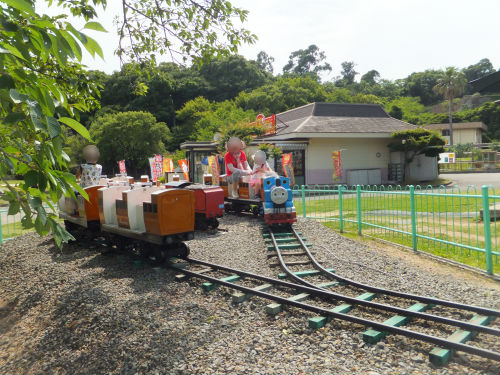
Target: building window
<point>445,133</point>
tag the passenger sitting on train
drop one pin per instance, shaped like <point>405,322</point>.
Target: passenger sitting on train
<point>89,173</point>
<point>261,169</point>
<point>236,164</point>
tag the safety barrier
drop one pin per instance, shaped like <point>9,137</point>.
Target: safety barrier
<point>461,225</point>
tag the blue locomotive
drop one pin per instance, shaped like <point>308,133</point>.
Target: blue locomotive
<point>278,201</point>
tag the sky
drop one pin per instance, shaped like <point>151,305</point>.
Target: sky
<point>394,37</point>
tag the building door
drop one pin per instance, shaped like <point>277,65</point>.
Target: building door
<point>299,162</point>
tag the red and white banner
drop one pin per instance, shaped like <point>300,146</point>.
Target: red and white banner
<point>156,165</point>
<point>123,169</point>
<point>288,168</point>
<point>337,165</point>
<point>185,168</point>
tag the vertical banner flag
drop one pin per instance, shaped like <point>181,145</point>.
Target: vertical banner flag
<point>185,169</point>
<point>213,167</point>
<point>337,165</point>
<point>168,165</point>
<point>123,170</point>
<point>158,166</point>
<point>288,168</point>
<point>153,169</point>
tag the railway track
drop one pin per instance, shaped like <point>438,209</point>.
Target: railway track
<point>313,297</point>
<point>290,239</point>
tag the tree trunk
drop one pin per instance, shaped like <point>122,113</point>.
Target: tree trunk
<point>450,118</point>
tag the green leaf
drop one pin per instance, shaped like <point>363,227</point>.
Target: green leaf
<point>14,207</point>
<point>31,178</point>
<point>13,118</point>
<point>76,126</point>
<point>95,26</point>
<point>21,5</point>
<point>6,82</point>
<point>93,47</point>
<point>6,48</point>
<point>17,97</point>
<point>54,127</point>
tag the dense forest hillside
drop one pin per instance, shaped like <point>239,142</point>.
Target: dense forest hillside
<point>192,104</point>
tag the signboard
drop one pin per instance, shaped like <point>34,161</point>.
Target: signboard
<point>156,165</point>
<point>288,168</point>
<point>168,165</point>
<point>337,165</point>
<point>185,169</point>
<point>123,169</point>
<point>268,123</point>
<point>213,167</point>
<point>446,157</point>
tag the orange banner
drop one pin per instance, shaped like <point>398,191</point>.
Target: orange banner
<point>185,168</point>
<point>288,168</point>
<point>168,165</point>
<point>213,167</point>
<point>268,123</point>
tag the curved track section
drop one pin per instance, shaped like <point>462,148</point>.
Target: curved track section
<point>330,296</point>
<point>373,289</point>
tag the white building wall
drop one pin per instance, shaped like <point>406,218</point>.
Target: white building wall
<point>357,153</point>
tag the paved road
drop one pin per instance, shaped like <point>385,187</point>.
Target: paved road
<point>477,179</point>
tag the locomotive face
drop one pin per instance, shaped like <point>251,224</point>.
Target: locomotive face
<point>279,195</point>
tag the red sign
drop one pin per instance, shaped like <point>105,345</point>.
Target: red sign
<point>288,168</point>
<point>337,166</point>
<point>123,170</point>
<point>268,123</point>
<point>185,168</point>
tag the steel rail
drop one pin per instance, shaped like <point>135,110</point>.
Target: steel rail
<point>323,293</point>
<point>325,312</point>
<point>429,300</point>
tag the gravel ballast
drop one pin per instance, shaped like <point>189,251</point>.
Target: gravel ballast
<point>81,312</point>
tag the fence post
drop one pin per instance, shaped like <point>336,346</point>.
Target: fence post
<point>358,203</point>
<point>413,218</point>
<point>303,188</point>
<point>487,230</point>
<point>341,216</point>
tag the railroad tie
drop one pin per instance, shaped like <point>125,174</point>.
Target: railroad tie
<point>208,286</point>
<point>320,321</point>
<point>373,336</point>
<point>290,253</point>
<point>289,246</point>
<point>182,276</point>
<point>239,297</point>
<point>267,235</point>
<point>275,308</point>
<point>283,240</point>
<point>440,356</point>
<point>292,263</point>
<point>304,273</point>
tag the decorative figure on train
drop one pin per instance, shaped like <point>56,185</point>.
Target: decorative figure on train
<point>90,172</point>
<point>261,169</point>
<point>236,164</point>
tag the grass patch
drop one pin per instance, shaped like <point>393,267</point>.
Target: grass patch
<point>13,230</point>
<point>456,253</point>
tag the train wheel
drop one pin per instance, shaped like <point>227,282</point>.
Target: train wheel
<point>201,223</point>
<point>214,223</point>
<point>256,210</point>
<point>183,250</point>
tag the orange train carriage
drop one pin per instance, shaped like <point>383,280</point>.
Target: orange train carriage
<point>151,219</point>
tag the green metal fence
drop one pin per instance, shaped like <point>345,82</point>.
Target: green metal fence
<point>461,225</point>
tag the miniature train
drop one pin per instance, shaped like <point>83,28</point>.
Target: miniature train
<point>275,201</point>
<point>153,219</point>
<point>157,219</point>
